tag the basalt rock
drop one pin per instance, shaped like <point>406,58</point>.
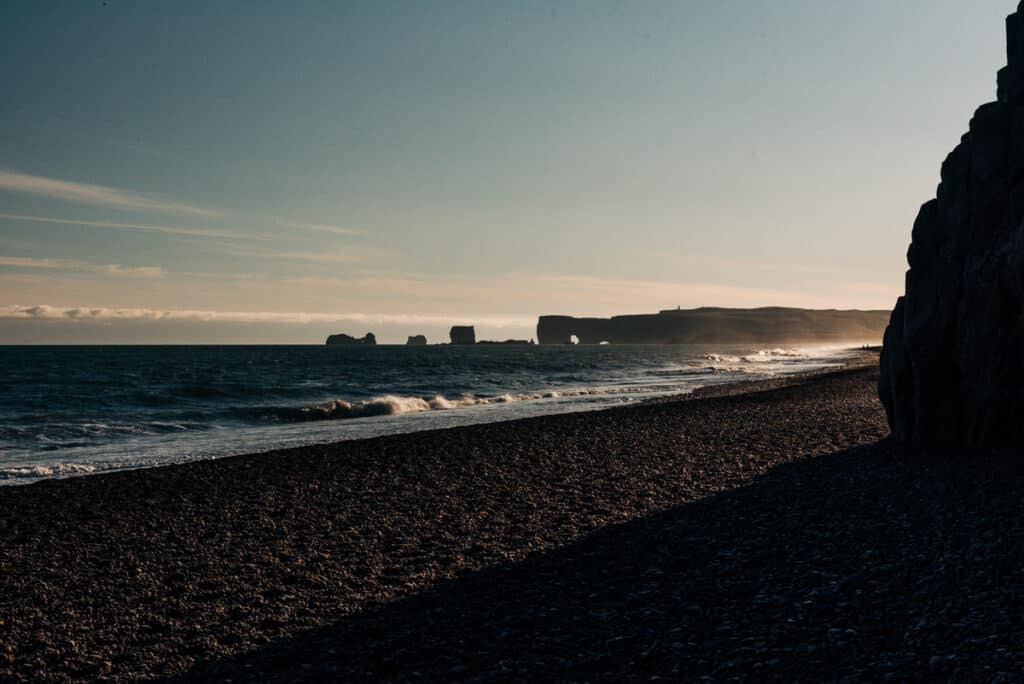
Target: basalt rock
<point>416,340</point>
<point>462,334</point>
<point>342,338</point>
<point>952,367</point>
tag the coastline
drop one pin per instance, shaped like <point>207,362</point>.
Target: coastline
<point>712,535</point>
<point>390,414</point>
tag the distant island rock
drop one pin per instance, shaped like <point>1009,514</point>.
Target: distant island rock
<point>342,339</point>
<point>462,334</point>
<point>952,366</point>
<point>771,325</point>
<point>416,340</point>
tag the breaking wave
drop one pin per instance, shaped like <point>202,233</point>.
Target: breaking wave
<point>770,362</point>
<point>41,471</point>
<point>88,410</point>
<point>392,405</point>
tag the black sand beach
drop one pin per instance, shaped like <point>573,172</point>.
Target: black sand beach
<point>768,534</point>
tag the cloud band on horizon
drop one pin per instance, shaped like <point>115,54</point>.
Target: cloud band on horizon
<point>81,313</point>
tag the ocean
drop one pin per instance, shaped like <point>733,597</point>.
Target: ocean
<point>75,410</point>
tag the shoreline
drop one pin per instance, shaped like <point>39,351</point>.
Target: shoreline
<point>159,571</point>
<point>74,470</point>
<point>772,533</point>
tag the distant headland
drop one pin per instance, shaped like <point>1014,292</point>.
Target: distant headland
<point>706,325</point>
<point>712,325</point>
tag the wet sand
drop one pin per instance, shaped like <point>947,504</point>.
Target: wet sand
<point>765,533</point>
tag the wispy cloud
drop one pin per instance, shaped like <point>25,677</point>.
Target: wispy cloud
<point>171,230</point>
<point>742,265</point>
<point>350,255</point>
<point>82,313</point>
<point>144,149</point>
<point>119,271</point>
<point>115,270</point>
<point>88,193</point>
<point>319,227</point>
<point>29,262</point>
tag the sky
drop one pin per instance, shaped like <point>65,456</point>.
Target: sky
<point>272,172</point>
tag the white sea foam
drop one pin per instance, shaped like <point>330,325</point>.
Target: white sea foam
<point>51,470</point>
<point>387,405</point>
<point>666,380</point>
<point>441,403</point>
<point>393,405</point>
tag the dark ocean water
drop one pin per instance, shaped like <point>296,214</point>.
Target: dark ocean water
<point>76,410</point>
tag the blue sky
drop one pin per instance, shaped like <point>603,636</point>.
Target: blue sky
<point>269,172</point>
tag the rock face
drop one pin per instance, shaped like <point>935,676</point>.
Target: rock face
<point>462,334</point>
<point>952,365</point>
<point>773,325</point>
<point>342,338</point>
<point>416,340</point>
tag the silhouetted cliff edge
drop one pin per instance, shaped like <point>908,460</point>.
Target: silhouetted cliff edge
<point>769,325</point>
<point>952,363</point>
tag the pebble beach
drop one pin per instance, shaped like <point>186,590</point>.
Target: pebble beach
<point>760,531</point>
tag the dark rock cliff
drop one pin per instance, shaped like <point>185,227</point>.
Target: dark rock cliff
<point>952,365</point>
<point>416,340</point>
<point>717,326</point>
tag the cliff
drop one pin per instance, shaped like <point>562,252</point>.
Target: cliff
<point>342,338</point>
<point>416,340</point>
<point>952,367</point>
<point>717,326</point>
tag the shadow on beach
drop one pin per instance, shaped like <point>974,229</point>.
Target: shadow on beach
<point>853,563</point>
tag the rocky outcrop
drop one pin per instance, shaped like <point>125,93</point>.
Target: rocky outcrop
<point>342,338</point>
<point>952,366</point>
<point>774,325</point>
<point>416,340</point>
<point>462,334</point>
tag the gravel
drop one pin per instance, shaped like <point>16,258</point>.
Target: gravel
<point>767,535</point>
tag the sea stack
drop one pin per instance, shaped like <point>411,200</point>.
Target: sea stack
<point>952,367</point>
<point>462,334</point>
<point>343,339</point>
<point>416,340</point>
